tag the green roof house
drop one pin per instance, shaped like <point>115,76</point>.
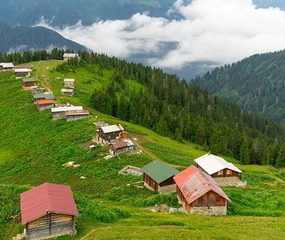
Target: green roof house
<point>158,177</point>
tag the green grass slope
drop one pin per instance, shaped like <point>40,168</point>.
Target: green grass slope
<point>34,150</point>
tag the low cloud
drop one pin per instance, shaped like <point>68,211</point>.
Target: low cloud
<point>219,31</point>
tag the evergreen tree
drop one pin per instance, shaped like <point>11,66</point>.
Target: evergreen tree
<point>245,152</point>
<point>280,161</point>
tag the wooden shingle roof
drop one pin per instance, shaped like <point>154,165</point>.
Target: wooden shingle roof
<point>159,171</point>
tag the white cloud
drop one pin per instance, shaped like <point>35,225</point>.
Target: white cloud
<point>221,31</point>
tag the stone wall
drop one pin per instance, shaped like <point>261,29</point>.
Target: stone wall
<point>230,181</point>
<point>167,189</point>
<point>209,211</point>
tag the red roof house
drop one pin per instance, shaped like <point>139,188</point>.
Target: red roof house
<point>44,104</point>
<point>199,193</point>
<point>48,210</point>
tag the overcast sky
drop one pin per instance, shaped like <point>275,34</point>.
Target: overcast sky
<point>222,31</point>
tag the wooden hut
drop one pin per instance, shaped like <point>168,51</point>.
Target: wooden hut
<point>6,66</point>
<point>120,146</point>
<point>59,112</point>
<point>199,193</point>
<point>43,96</point>
<point>47,211</point>
<point>108,134</point>
<point>45,104</point>
<point>27,83</point>
<point>23,71</point>
<point>158,176</point>
<point>67,56</point>
<point>76,115</point>
<point>224,173</point>
<point>69,82</point>
<point>68,92</point>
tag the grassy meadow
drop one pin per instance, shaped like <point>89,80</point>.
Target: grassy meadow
<point>34,149</point>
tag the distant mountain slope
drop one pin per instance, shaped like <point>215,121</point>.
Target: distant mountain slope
<point>256,83</point>
<point>31,38</point>
<point>69,12</point>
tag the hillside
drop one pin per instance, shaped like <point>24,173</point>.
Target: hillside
<point>34,148</point>
<point>69,12</point>
<point>255,83</point>
<point>20,39</point>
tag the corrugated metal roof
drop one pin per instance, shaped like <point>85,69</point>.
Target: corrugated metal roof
<point>28,80</point>
<point>78,112</point>
<point>66,90</point>
<point>159,171</point>
<point>47,198</point>
<point>129,142</point>
<point>45,101</point>
<point>24,66</point>
<point>7,65</point>
<point>194,183</point>
<point>70,55</point>
<point>64,109</point>
<point>120,144</point>
<point>112,128</point>
<point>45,96</point>
<point>212,164</point>
<point>69,80</point>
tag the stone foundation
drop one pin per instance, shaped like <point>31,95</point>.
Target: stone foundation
<point>167,189</point>
<point>230,181</point>
<point>209,211</point>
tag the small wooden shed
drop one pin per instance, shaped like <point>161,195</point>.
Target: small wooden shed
<point>158,176</point>
<point>59,112</point>
<point>69,82</point>
<point>76,115</point>
<point>67,56</point>
<point>27,83</point>
<point>199,193</point>
<point>6,66</point>
<point>23,71</point>
<point>224,173</point>
<point>45,104</point>
<point>119,146</point>
<point>68,92</point>
<point>47,211</point>
<point>43,96</point>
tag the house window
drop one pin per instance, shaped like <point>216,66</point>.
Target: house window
<point>229,172</point>
<point>220,173</point>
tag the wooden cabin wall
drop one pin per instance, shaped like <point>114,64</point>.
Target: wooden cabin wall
<point>50,225</point>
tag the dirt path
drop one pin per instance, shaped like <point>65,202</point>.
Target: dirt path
<point>94,230</point>
<point>37,78</point>
<point>142,139</point>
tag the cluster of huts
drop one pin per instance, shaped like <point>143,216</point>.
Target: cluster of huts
<point>46,100</point>
<point>198,187</point>
<point>113,136</point>
<point>21,71</point>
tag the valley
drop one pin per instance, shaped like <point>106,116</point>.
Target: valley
<point>34,149</point>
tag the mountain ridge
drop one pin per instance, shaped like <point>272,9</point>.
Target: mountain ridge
<point>256,83</point>
<point>20,38</point>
